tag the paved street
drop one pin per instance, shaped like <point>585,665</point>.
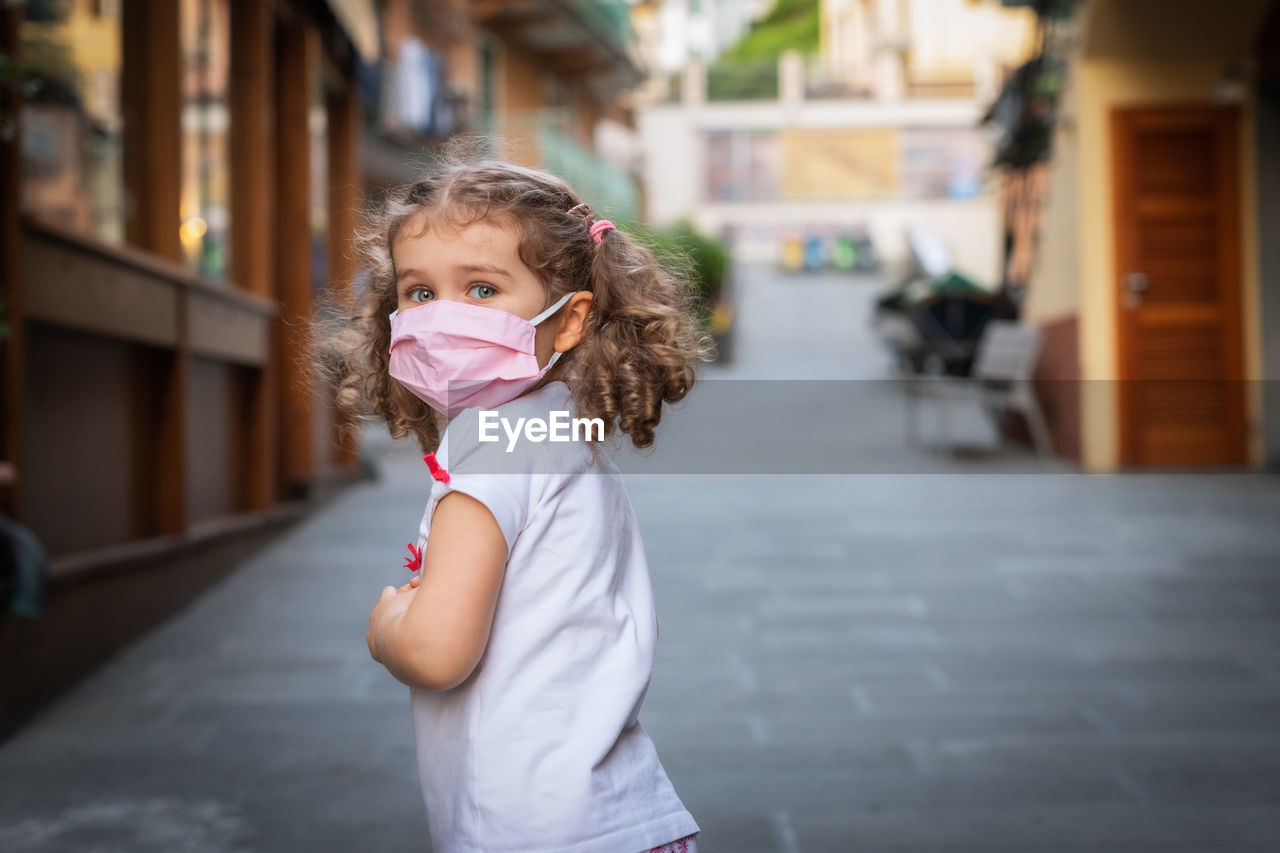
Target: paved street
<point>987,654</point>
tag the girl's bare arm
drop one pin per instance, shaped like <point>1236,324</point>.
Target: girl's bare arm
<point>432,637</point>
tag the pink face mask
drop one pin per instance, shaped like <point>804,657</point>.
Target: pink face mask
<point>455,355</point>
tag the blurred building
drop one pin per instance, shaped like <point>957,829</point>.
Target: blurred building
<point>878,131</point>
<point>549,81</point>
<point>700,29</point>
<point>1157,276</point>
<point>181,182</point>
<point>157,327</point>
<point>545,84</point>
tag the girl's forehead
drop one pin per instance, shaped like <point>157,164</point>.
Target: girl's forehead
<point>440,234</point>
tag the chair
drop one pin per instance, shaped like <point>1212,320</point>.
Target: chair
<point>1000,381</point>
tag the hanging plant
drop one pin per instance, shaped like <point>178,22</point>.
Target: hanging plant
<point>10,79</point>
<point>1025,111</point>
<point>19,83</point>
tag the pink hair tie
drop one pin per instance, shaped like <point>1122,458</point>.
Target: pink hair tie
<point>598,229</point>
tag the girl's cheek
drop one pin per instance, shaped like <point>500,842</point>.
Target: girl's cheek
<point>544,342</point>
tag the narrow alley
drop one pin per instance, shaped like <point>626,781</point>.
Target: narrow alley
<point>980,653</point>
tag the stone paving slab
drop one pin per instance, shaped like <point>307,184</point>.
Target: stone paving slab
<point>1121,693</point>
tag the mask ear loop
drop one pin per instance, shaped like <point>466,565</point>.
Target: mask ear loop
<point>555,356</point>
<point>553,309</point>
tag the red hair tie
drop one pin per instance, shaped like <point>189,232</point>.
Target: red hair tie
<point>436,471</point>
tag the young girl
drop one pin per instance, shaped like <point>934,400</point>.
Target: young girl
<point>527,635</point>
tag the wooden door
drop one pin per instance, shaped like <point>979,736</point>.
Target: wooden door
<point>1178,286</point>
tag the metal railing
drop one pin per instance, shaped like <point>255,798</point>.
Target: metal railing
<point>822,80</point>
<point>743,81</point>
<point>547,137</point>
<point>610,18</point>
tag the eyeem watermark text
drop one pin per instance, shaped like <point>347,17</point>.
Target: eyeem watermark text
<point>561,427</point>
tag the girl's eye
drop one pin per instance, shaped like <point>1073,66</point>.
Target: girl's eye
<point>482,291</point>
<point>421,294</point>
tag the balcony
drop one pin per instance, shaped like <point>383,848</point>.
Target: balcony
<point>591,39</point>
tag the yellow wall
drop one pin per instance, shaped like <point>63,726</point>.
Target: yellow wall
<point>838,164</point>
<point>520,97</point>
<point>1054,290</point>
<point>1100,85</point>
<point>950,35</point>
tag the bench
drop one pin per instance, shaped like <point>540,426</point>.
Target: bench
<point>1000,381</point>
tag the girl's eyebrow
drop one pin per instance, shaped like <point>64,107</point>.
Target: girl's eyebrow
<point>489,268</point>
<point>405,273</point>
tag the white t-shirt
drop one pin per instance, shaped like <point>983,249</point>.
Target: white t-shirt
<point>540,749</point>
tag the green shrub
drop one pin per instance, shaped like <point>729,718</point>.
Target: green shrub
<point>789,25</point>
<point>705,260</point>
<point>743,81</point>
<point>748,70</point>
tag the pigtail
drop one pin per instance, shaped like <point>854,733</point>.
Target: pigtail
<point>641,342</point>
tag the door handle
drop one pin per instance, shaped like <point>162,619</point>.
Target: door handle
<point>1135,284</point>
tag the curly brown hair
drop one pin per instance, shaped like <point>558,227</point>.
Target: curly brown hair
<point>641,338</point>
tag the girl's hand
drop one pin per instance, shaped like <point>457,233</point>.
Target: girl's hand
<point>412,584</point>
<point>391,605</point>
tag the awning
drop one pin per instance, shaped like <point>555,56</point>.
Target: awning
<point>1171,30</point>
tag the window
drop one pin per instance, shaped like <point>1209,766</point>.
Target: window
<point>488,83</point>
<point>943,162</point>
<point>318,130</point>
<point>72,126</point>
<point>742,165</point>
<point>204,206</point>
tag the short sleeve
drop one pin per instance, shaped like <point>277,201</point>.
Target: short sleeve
<point>502,484</point>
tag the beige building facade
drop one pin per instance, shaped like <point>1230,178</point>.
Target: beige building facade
<point>1154,278</point>
<point>878,132</point>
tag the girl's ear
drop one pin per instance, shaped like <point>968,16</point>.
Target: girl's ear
<point>573,321</point>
